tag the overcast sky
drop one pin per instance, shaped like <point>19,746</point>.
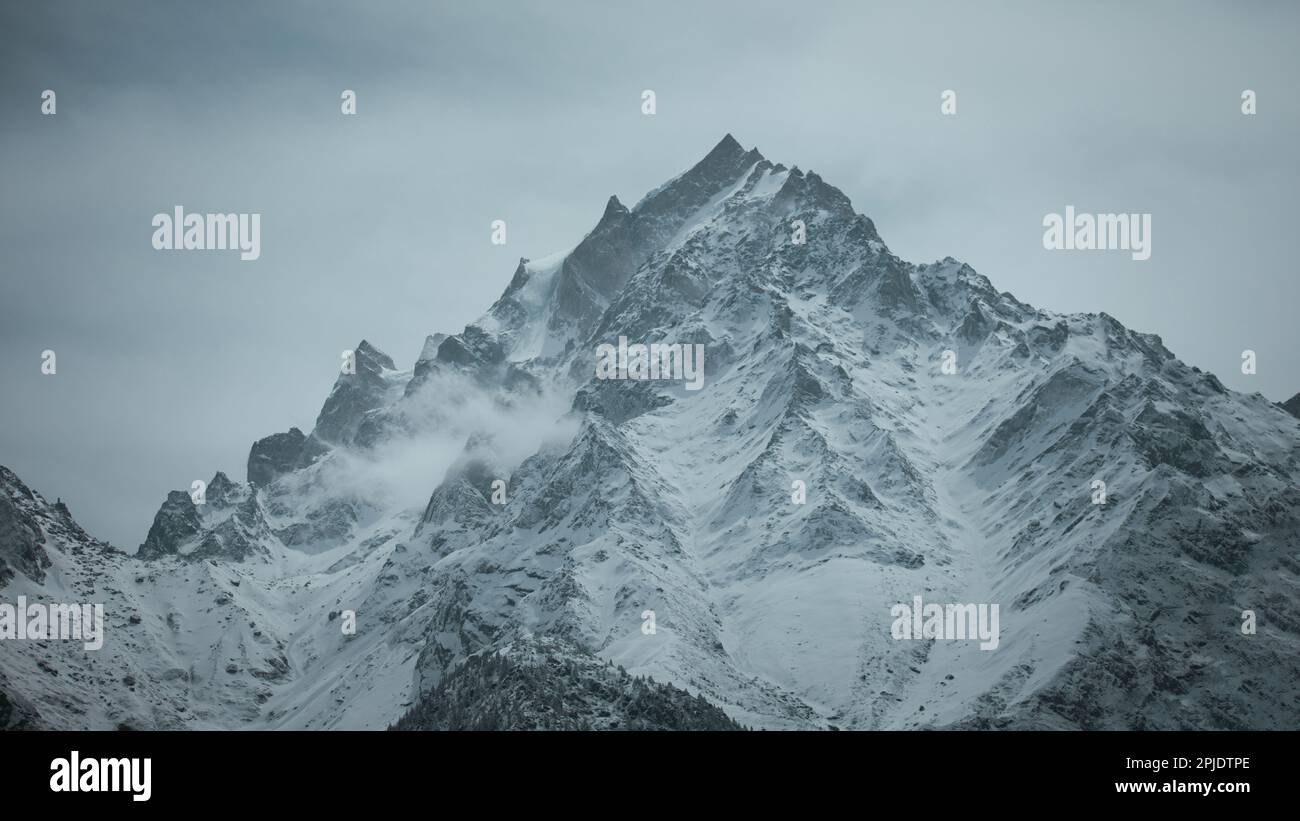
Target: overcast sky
<point>377,226</point>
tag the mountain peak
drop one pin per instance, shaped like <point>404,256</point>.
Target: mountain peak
<point>691,189</point>
<point>1292,405</point>
<point>614,206</point>
<point>729,151</point>
<point>728,143</point>
<point>365,352</point>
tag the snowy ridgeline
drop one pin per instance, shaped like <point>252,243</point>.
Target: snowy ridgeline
<point>496,522</point>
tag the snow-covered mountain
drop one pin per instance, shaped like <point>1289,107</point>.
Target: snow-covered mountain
<point>498,503</point>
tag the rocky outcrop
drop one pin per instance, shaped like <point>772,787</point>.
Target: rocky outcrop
<point>273,456</point>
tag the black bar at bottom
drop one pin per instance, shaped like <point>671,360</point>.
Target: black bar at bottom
<point>227,771</point>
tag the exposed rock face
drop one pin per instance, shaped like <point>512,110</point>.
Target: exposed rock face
<point>424,364</point>
<point>175,522</point>
<point>22,538</point>
<point>274,456</point>
<point>357,394</point>
<point>229,524</point>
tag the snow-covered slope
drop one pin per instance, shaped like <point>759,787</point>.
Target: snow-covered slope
<point>499,496</point>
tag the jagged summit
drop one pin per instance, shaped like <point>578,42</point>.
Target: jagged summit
<point>275,455</point>
<point>723,164</point>
<point>728,144</point>
<point>369,385</point>
<point>729,151</point>
<point>612,207</point>
<point>369,356</point>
